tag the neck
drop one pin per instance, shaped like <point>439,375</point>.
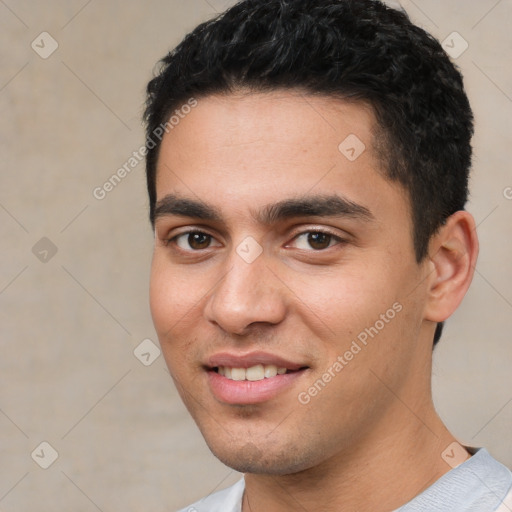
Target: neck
<point>395,462</point>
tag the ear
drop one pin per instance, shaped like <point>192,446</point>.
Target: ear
<point>453,252</point>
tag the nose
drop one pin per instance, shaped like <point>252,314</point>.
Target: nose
<point>249,294</point>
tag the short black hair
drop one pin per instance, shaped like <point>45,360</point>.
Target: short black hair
<point>355,50</point>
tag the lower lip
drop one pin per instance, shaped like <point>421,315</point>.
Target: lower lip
<point>245,392</point>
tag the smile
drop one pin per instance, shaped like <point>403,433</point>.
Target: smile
<point>253,373</point>
<point>251,378</point>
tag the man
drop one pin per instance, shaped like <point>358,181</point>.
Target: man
<point>307,169</point>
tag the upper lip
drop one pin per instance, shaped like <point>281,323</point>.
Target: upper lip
<point>232,360</point>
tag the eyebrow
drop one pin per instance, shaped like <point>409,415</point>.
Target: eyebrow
<point>307,206</point>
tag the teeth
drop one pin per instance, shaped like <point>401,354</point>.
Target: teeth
<point>238,373</point>
<point>270,371</point>
<point>254,373</point>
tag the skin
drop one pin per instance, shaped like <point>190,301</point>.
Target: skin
<point>373,426</point>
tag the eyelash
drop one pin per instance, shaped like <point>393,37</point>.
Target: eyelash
<point>172,240</point>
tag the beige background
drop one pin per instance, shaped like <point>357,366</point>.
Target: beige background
<point>69,325</point>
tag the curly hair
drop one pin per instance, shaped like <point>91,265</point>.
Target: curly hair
<point>354,50</point>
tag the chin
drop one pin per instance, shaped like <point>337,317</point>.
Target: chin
<point>247,457</point>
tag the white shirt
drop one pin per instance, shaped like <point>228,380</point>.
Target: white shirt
<point>480,484</point>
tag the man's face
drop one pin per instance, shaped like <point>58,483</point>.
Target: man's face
<point>302,258</point>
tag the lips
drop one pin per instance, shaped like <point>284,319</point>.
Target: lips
<point>251,378</point>
<point>226,359</point>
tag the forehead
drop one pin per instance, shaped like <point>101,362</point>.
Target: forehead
<point>280,117</point>
<point>247,149</point>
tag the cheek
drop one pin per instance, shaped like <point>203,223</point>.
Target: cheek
<point>175,303</point>
<point>160,298</point>
<point>347,300</point>
<point>364,313</point>
<point>171,301</point>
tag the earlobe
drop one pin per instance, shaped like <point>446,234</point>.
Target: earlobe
<point>453,254</point>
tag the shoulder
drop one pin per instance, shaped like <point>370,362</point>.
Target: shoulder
<point>227,500</point>
<point>481,484</point>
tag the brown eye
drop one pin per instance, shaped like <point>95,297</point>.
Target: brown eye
<point>199,240</point>
<point>316,240</point>
<point>193,241</point>
<point>319,240</point>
